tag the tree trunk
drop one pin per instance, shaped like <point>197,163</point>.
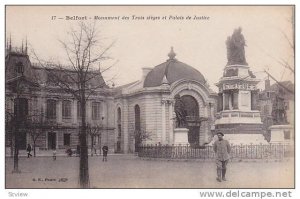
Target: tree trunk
<point>16,153</point>
<point>33,148</point>
<point>100,144</point>
<point>11,145</point>
<point>92,144</point>
<point>84,169</point>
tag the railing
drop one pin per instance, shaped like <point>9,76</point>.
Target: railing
<point>269,151</point>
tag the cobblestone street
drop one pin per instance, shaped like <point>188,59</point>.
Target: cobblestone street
<point>129,171</point>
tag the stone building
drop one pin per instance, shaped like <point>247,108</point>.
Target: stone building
<point>30,91</point>
<point>141,112</point>
<point>277,105</point>
<point>145,109</point>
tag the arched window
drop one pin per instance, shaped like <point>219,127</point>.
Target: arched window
<point>137,125</point>
<point>119,120</point>
<point>119,116</point>
<point>96,109</point>
<point>19,68</point>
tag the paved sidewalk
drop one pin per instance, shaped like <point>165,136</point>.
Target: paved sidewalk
<point>129,171</point>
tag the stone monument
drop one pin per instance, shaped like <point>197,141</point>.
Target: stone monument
<point>180,132</point>
<point>238,116</point>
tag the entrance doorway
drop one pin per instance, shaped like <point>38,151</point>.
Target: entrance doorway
<point>191,109</point>
<point>51,140</point>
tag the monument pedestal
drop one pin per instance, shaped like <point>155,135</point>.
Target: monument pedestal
<point>277,134</point>
<point>181,136</point>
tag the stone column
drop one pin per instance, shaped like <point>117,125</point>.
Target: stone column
<point>204,123</point>
<point>171,130</point>
<point>163,115</point>
<point>212,111</point>
<point>74,111</point>
<point>125,116</point>
<point>230,105</point>
<point>223,108</point>
<point>57,137</point>
<point>239,100</point>
<point>59,111</point>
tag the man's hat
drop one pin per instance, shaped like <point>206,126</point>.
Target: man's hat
<point>220,133</point>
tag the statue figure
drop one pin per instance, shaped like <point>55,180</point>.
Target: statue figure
<point>236,48</point>
<point>180,112</point>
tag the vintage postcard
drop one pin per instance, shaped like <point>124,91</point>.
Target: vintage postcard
<point>150,97</point>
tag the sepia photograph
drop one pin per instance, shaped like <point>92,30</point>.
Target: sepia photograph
<point>149,96</point>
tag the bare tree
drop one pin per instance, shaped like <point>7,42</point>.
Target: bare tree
<point>84,54</point>
<point>16,120</point>
<point>36,126</point>
<point>140,136</point>
<point>9,130</point>
<point>94,132</point>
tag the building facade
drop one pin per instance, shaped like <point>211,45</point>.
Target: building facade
<point>51,117</point>
<point>145,109</point>
<point>169,99</point>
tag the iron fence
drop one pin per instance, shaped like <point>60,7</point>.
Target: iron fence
<point>251,151</point>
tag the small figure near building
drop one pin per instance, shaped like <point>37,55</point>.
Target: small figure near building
<point>105,151</point>
<point>69,152</point>
<point>222,151</point>
<point>54,154</point>
<point>78,150</point>
<point>28,149</point>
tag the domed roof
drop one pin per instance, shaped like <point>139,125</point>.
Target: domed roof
<point>173,70</point>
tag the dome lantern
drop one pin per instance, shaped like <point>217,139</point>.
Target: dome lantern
<point>172,54</point>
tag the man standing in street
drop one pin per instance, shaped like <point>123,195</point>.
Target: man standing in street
<point>222,151</point>
<point>28,149</point>
<point>105,151</point>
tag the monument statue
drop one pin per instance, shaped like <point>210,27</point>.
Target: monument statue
<point>180,112</point>
<point>236,48</point>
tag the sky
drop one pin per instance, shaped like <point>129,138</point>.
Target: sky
<point>146,39</point>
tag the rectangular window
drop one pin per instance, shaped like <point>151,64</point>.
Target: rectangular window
<point>21,107</point>
<point>67,139</point>
<point>51,109</point>
<point>78,109</point>
<point>66,109</point>
<point>96,110</point>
